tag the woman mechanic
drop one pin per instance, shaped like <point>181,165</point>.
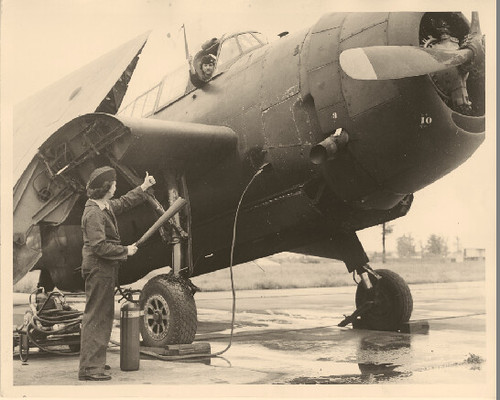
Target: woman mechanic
<point>102,253</point>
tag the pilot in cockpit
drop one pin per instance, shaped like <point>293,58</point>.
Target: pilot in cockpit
<point>207,67</point>
<point>203,65</point>
<point>202,71</point>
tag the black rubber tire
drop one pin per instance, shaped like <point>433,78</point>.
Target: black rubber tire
<point>393,302</point>
<point>172,298</point>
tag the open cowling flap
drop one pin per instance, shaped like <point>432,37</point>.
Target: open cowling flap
<point>55,179</point>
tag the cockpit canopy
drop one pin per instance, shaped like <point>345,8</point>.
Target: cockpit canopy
<point>227,50</point>
<point>230,47</point>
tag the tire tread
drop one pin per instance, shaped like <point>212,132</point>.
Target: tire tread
<point>183,323</point>
<point>399,290</point>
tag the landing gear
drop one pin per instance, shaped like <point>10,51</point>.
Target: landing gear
<point>167,301</point>
<point>169,308</point>
<point>383,299</point>
<point>390,302</point>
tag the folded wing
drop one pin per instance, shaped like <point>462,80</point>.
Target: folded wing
<point>55,179</point>
<point>98,86</point>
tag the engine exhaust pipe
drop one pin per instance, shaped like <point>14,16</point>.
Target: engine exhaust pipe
<point>327,149</point>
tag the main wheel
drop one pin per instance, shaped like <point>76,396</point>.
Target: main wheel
<point>169,312</point>
<point>393,302</point>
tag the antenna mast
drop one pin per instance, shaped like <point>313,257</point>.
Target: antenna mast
<point>185,42</point>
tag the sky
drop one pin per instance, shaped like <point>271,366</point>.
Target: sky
<point>42,41</point>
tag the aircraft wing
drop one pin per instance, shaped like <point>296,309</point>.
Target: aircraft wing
<point>96,87</point>
<point>55,179</point>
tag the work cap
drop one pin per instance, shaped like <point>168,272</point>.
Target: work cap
<point>101,175</point>
<point>208,59</point>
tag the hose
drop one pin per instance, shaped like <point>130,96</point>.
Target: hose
<point>233,291</point>
<point>34,323</point>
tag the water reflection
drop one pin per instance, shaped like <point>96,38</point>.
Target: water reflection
<point>382,356</point>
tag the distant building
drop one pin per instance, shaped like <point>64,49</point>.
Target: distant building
<point>457,256</point>
<point>474,254</point>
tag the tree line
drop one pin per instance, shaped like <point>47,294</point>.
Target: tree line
<point>436,245</point>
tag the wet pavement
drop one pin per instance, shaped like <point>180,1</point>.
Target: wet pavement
<point>290,339</point>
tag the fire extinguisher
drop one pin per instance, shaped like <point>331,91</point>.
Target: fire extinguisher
<point>129,336</point>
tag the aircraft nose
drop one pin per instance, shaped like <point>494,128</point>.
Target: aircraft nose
<point>398,148</point>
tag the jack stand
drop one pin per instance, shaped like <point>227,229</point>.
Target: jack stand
<point>173,350</point>
<point>420,327</point>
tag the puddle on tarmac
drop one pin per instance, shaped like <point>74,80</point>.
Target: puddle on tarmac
<point>220,327</point>
<point>295,346</point>
<point>352,357</point>
<point>369,374</point>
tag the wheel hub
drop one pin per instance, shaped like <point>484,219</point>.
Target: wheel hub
<point>156,316</point>
<point>382,303</point>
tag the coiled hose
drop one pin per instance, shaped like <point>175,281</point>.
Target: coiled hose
<point>40,323</point>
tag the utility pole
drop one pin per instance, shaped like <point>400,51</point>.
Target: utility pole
<point>386,230</point>
<point>383,243</point>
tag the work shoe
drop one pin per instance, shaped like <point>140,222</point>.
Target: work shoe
<point>107,367</point>
<point>94,377</point>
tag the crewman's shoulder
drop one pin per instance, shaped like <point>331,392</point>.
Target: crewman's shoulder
<point>91,208</point>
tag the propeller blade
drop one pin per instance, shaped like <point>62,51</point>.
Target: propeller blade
<point>475,29</point>
<point>396,62</point>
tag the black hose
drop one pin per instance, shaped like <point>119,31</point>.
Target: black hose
<point>233,291</point>
<point>41,347</point>
<point>69,318</point>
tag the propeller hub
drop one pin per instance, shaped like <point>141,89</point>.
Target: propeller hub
<point>451,83</point>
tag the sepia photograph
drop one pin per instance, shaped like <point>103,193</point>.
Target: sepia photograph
<point>248,198</point>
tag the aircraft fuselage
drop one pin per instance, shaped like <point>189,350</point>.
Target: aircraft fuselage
<point>281,100</point>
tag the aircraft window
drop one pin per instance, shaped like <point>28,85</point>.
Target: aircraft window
<point>138,106</point>
<point>248,42</point>
<point>127,111</point>
<point>229,51</point>
<point>149,105</point>
<point>260,37</point>
<point>174,86</point>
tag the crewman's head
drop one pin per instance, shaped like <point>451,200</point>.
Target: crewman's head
<point>101,182</point>
<point>208,65</point>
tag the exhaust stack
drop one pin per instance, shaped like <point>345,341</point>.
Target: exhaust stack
<point>328,148</point>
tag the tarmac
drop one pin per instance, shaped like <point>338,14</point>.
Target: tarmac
<point>288,340</point>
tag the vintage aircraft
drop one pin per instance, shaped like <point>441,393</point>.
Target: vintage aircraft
<point>346,120</point>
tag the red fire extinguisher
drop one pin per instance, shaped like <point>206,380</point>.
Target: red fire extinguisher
<point>129,336</point>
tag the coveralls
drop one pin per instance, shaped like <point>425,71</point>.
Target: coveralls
<point>102,253</point>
